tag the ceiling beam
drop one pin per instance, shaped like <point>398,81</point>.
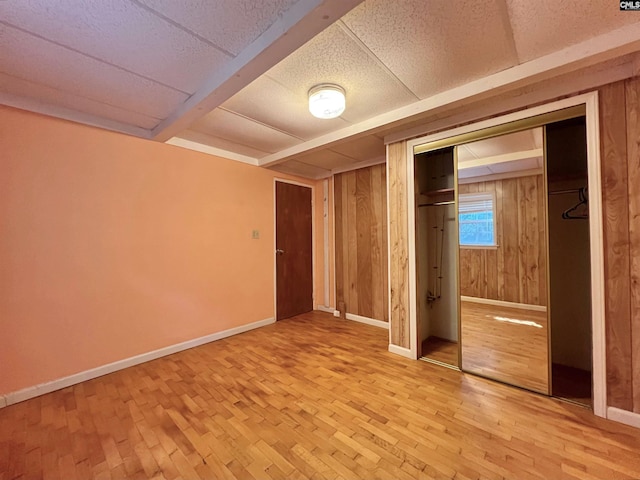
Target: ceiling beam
<point>208,149</point>
<point>503,158</point>
<point>616,43</point>
<point>290,31</point>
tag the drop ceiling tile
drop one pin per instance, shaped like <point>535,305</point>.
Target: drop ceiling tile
<point>515,166</point>
<point>464,173</point>
<point>536,134</point>
<point>510,143</point>
<point>435,45</point>
<point>229,126</point>
<point>293,167</point>
<point>544,26</point>
<point>325,159</point>
<point>51,96</point>
<point>334,57</point>
<point>465,154</point>
<point>30,58</point>
<point>230,24</point>
<point>221,143</point>
<point>362,149</point>
<point>271,103</point>
<point>123,34</point>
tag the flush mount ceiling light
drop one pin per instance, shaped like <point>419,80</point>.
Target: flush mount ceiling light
<point>326,101</point>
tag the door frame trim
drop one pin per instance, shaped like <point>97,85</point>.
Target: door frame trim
<point>313,242</point>
<point>596,227</point>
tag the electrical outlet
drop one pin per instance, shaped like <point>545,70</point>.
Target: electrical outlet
<point>255,234</point>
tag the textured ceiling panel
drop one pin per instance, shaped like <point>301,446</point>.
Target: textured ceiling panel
<point>465,154</point>
<point>515,166</point>
<point>435,45</point>
<point>362,148</point>
<point>304,170</point>
<point>120,33</point>
<point>221,143</point>
<point>30,58</point>
<point>333,57</point>
<point>544,26</point>
<point>325,159</point>
<point>504,168</point>
<point>230,24</point>
<point>473,172</point>
<point>237,129</point>
<point>46,95</point>
<point>270,102</point>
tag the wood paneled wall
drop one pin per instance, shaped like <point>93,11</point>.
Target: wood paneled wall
<point>361,242</point>
<point>516,270</point>
<point>620,157</point>
<point>399,244</point>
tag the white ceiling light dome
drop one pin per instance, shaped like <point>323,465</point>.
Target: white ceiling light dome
<point>327,100</point>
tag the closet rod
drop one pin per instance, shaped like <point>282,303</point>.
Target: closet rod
<point>450,202</point>
<point>563,192</point>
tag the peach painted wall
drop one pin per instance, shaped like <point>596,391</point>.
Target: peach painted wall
<point>113,246</point>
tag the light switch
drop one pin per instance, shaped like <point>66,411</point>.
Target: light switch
<point>255,234</point>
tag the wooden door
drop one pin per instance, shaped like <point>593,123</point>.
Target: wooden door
<point>294,274</point>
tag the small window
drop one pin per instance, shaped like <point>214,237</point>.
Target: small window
<point>476,218</point>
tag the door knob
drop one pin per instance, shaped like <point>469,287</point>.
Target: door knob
<point>279,252</point>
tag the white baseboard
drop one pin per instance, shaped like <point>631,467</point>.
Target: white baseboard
<point>405,352</point>
<point>323,308</point>
<point>359,318</point>
<point>501,303</point>
<point>37,390</point>
<point>623,416</point>
<point>369,321</point>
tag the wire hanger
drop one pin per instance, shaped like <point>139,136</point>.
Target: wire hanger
<point>580,210</point>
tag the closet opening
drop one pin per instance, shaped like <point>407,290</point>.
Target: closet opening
<point>507,254</point>
<point>436,257</point>
<point>569,261</point>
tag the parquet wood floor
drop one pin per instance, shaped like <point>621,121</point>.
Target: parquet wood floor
<point>506,344</point>
<point>309,397</point>
<point>445,351</point>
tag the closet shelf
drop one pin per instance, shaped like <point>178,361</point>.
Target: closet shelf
<point>443,196</point>
<point>437,192</point>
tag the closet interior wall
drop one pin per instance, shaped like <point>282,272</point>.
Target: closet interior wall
<point>436,258</point>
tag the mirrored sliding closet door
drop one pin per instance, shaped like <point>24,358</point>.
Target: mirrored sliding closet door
<point>501,202</point>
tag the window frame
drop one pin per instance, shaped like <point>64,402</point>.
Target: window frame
<point>492,197</point>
